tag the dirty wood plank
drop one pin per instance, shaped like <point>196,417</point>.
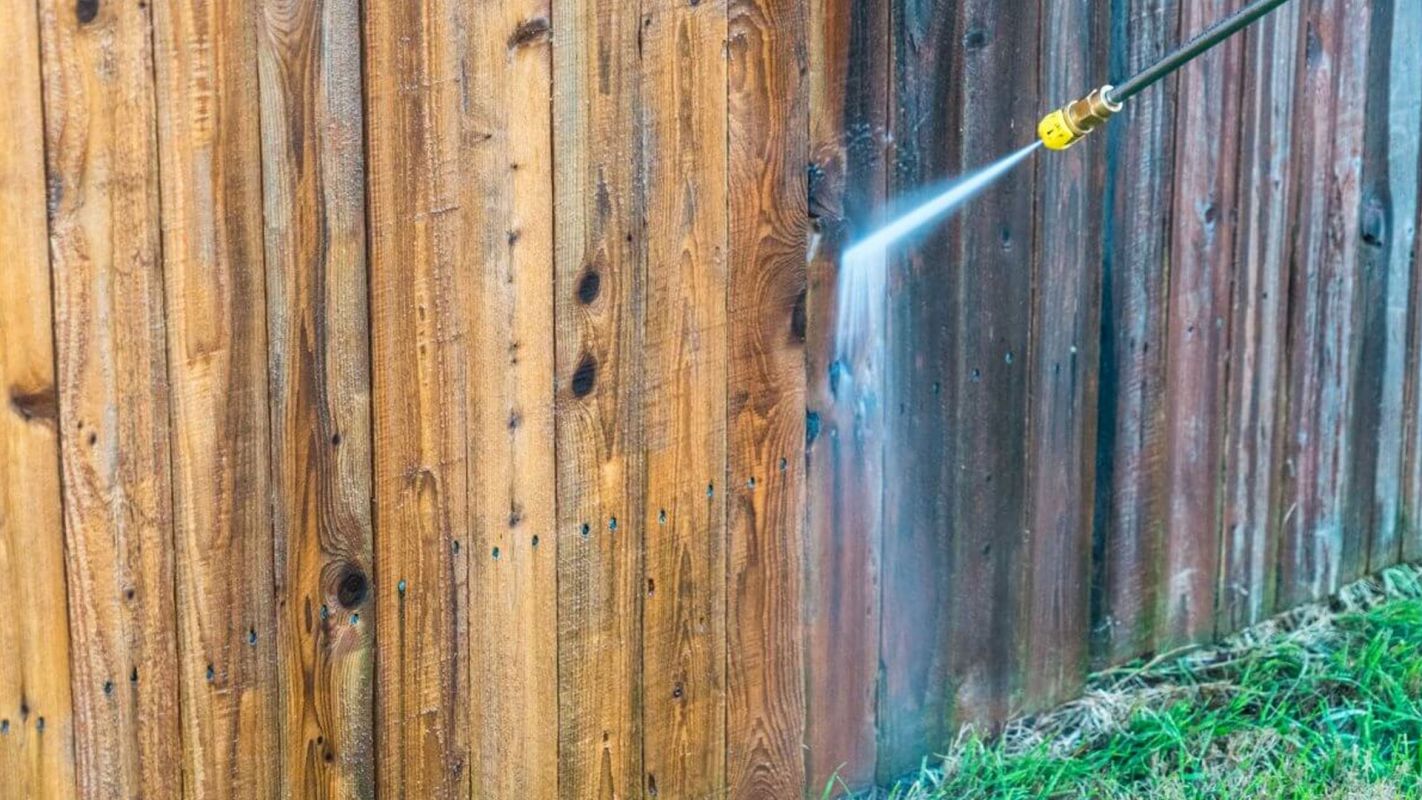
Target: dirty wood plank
<point>420,363</point>
<point>1407,29</point>
<point>918,374</point>
<point>1386,241</point>
<point>319,356</point>
<point>1130,485</point>
<point>101,131</point>
<point>683,52</point>
<point>1197,333</point>
<point>849,73</point>
<point>210,167</point>
<point>507,212</point>
<point>1317,554</point>
<point>599,307</point>
<point>1066,309</point>
<point>767,122</point>
<point>1250,517</point>
<point>37,736</point>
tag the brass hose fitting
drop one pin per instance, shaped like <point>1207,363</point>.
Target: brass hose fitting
<point>1067,125</point>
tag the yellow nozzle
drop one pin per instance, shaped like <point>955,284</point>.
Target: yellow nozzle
<point>1067,125</point>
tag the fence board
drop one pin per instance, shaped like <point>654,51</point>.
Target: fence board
<point>209,148</point>
<point>1131,493</point>
<point>101,134</point>
<point>507,210</point>
<point>313,174</point>
<point>1250,520</point>
<point>37,726</point>
<point>844,420</point>
<point>600,296</point>
<point>420,349</point>
<point>767,126</point>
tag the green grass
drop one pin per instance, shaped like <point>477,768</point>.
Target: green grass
<point>1325,702</point>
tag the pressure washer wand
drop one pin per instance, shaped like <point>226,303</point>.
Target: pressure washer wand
<point>1067,125</point>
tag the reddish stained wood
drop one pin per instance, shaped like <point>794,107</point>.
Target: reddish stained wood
<point>1066,308</point>
<point>768,148</point>
<point>1197,333</point>
<point>318,324</point>
<point>37,723</point>
<point>844,421</point>
<point>599,297</point>
<point>1317,555</point>
<point>1250,521</point>
<point>1131,494</point>
<point>101,131</point>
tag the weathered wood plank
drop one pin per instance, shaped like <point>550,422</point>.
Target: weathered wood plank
<point>507,210</point>
<point>849,71</point>
<point>420,365</point>
<point>599,307</point>
<point>1317,554</point>
<point>1130,487</point>
<point>1197,335</point>
<point>768,107</point>
<point>36,715</point>
<point>1066,334</point>
<point>101,132</point>
<point>318,324</point>
<point>1407,29</point>
<point>683,52</point>
<point>210,167</point>
<point>1250,521</point>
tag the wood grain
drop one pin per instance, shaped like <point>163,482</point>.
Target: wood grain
<point>313,174</point>
<point>101,133</point>
<point>420,367</point>
<point>210,167</point>
<point>844,425</point>
<point>767,122</point>
<point>36,718</point>
<point>1258,346</point>
<point>506,207</point>
<point>1407,27</point>
<point>600,309</point>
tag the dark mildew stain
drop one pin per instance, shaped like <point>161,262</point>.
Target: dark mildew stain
<point>86,10</point>
<point>585,376</point>
<point>797,318</point>
<point>588,287</point>
<point>528,32</point>
<point>39,405</point>
<point>352,589</point>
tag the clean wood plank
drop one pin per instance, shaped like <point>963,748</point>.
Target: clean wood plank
<point>768,107</point>
<point>101,129</point>
<point>1250,519</point>
<point>1130,486</point>
<point>1317,554</point>
<point>507,211</point>
<point>420,366</point>
<point>599,307</point>
<point>36,717</point>
<point>1207,130</point>
<point>318,324</point>
<point>210,165</point>
<point>849,73</point>
<point>1066,335</point>
<point>683,51</point>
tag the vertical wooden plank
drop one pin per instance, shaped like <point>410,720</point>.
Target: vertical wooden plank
<point>507,210</point>
<point>1197,333</point>
<point>209,148</point>
<point>1130,487</point>
<point>1407,29</point>
<point>768,106</point>
<point>1387,218</point>
<point>599,305</point>
<point>318,324</point>
<point>36,720</point>
<point>1066,309</point>
<point>101,130</point>
<point>844,421</point>
<point>1250,521</point>
<point>1317,553</point>
<point>420,365</point>
<point>683,51</point>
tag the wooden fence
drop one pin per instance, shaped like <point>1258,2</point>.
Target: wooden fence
<point>436,399</point>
